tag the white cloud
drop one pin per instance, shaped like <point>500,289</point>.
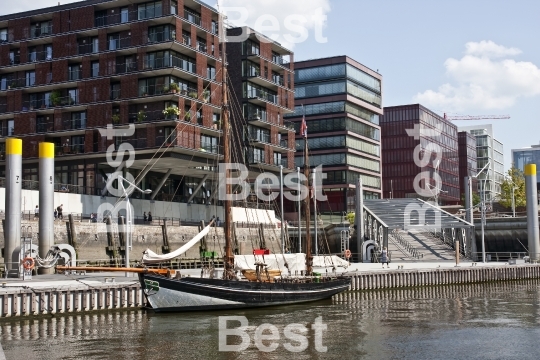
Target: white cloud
<point>489,49</point>
<point>482,80</point>
<point>310,15</point>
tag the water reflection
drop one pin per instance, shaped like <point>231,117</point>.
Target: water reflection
<point>483,321</point>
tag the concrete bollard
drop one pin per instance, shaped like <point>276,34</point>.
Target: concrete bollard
<point>532,211</point>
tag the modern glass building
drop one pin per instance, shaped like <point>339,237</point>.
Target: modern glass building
<point>488,149</point>
<point>467,161</point>
<point>342,103</point>
<point>530,155</point>
<point>399,143</point>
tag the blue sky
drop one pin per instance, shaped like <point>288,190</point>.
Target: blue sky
<point>474,57</point>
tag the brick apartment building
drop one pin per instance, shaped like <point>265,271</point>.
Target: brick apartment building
<point>399,168</point>
<point>70,70</point>
<point>341,100</point>
<point>262,80</point>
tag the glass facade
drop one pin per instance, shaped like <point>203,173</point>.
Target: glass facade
<point>341,124</point>
<point>336,107</point>
<point>340,141</point>
<point>523,157</point>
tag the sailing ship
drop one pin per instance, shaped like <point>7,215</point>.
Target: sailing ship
<point>261,287</point>
<point>167,290</point>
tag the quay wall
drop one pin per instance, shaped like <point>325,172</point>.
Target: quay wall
<point>19,301</point>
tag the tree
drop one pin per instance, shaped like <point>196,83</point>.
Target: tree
<point>475,197</point>
<point>516,180</point>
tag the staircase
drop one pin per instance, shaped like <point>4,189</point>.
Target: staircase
<point>414,246</point>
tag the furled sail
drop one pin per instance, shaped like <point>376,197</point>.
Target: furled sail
<point>150,257</point>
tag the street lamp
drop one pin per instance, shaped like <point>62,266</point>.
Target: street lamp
<point>482,206</point>
<point>129,215</point>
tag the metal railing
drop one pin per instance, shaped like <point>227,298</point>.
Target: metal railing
<point>69,149</point>
<point>39,56</point>
<point>160,36</point>
<point>89,48</point>
<point>136,143</point>
<point>74,75</point>
<point>40,31</point>
<point>192,17</point>
<point>171,61</point>
<point>256,93</point>
<point>120,43</point>
<point>116,94</point>
<point>282,161</point>
<point>201,46</point>
<point>126,67</point>
<point>259,137</point>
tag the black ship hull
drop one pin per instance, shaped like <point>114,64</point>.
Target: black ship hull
<point>189,294</point>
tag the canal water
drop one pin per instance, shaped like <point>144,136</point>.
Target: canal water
<point>484,321</point>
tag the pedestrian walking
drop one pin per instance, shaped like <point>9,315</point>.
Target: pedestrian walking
<point>60,210</point>
<point>145,217</point>
<point>55,214</point>
<point>384,258</point>
<point>36,212</point>
<point>149,216</point>
<point>218,222</point>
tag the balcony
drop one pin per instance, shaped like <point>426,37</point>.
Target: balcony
<point>201,46</point>
<point>260,137</point>
<point>74,124</point>
<point>40,31</point>
<point>69,149</point>
<point>279,62</point>
<point>139,143</point>
<point>74,75</point>
<point>44,126</point>
<point>126,67</point>
<point>261,97</point>
<point>116,94</point>
<point>117,44</point>
<point>161,36</point>
<point>14,59</point>
<point>171,61</point>
<point>192,17</point>
<point>210,148</point>
<point>90,48</point>
<point>40,56</point>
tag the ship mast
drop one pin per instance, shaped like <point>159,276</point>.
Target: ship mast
<point>228,260</point>
<point>309,258</point>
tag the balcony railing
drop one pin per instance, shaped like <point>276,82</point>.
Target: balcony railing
<point>39,56</point>
<point>74,124</point>
<point>126,67</point>
<point>186,39</point>
<point>74,75</point>
<point>170,61</point>
<point>87,48</point>
<point>15,59</point>
<point>120,43</point>
<point>162,36</point>
<point>136,143</point>
<point>44,126</point>
<point>116,94</point>
<point>262,137</point>
<point>211,148</point>
<point>41,31</point>
<point>67,149</point>
<point>256,93</point>
<point>256,159</point>
<point>281,161</point>
<point>201,46</point>
<point>191,17</point>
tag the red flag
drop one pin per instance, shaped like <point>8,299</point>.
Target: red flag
<point>303,127</point>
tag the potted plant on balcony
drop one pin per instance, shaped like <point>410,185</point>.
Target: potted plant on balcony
<point>141,116</point>
<point>188,116</point>
<point>206,95</point>
<point>55,98</point>
<point>173,87</point>
<point>171,112</point>
<point>116,119</point>
<point>193,94</point>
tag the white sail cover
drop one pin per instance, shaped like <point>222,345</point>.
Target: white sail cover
<point>295,262</point>
<point>150,257</point>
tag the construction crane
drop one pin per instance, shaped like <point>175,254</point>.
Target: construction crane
<point>478,117</point>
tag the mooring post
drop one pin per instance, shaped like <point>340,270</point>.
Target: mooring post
<point>12,234</point>
<point>532,211</point>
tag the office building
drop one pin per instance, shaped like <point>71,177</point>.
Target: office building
<point>528,155</point>
<point>341,100</point>
<point>488,151</point>
<point>467,161</point>
<point>399,167</point>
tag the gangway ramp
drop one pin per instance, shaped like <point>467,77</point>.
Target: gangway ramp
<point>404,227</point>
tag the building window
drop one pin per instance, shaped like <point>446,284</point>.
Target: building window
<point>186,38</point>
<point>3,83</point>
<point>215,28</point>
<point>278,160</point>
<point>115,91</point>
<point>3,35</point>
<point>32,54</point>
<point>74,72</point>
<point>78,120</point>
<point>114,42</point>
<point>95,69</point>
<point>250,48</point>
<point>124,15</point>
<point>100,18</point>
<point>95,45</point>
<point>201,44</point>
<point>209,144</point>
<point>192,16</point>
<point>161,33</point>
<point>73,96</point>
<point>41,29</point>
<point>149,10</point>
<point>77,144</point>
<point>30,78</point>
<point>211,72</point>
<point>10,127</point>
<point>174,7</point>
<point>255,156</point>
<point>48,52</point>
<point>256,91</point>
